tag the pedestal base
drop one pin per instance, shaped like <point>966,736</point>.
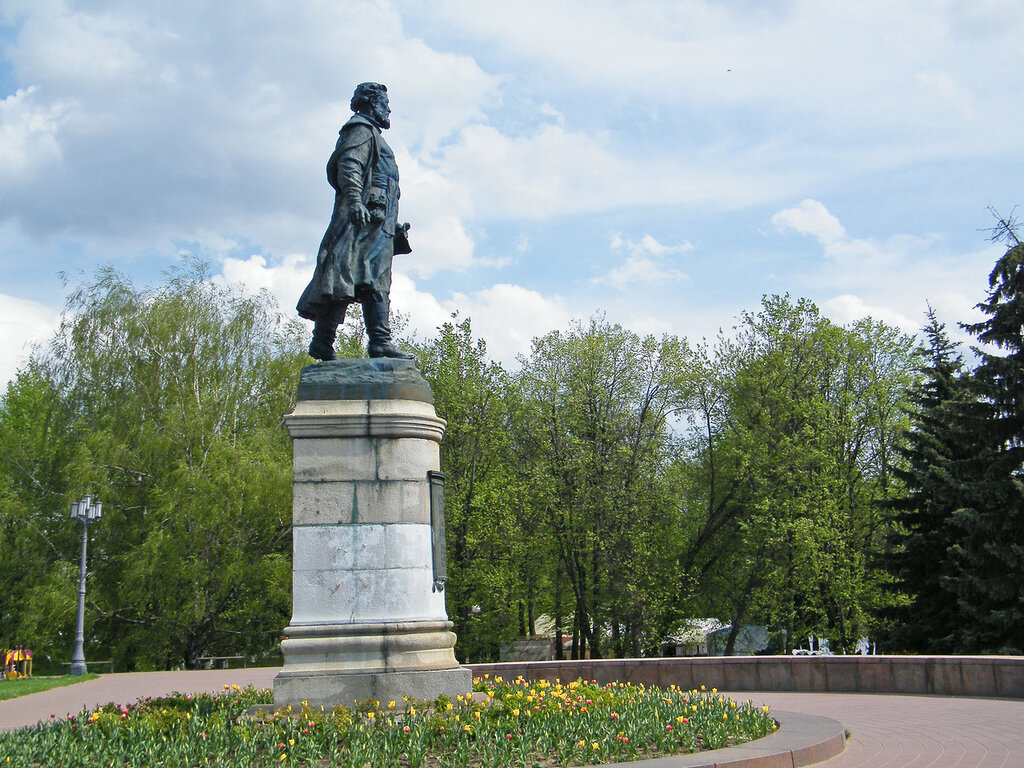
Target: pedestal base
<point>333,688</point>
<point>332,664</point>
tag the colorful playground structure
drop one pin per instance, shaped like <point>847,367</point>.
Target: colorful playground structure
<point>16,662</point>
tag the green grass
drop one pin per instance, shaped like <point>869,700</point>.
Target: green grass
<point>515,724</point>
<point>11,689</point>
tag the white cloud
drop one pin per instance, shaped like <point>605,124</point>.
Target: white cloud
<point>434,93</point>
<point>645,325</point>
<point>93,49</point>
<point>434,206</point>
<point>28,135</point>
<point>285,280</point>
<point>549,173</point>
<point>509,317</point>
<point>441,242</point>
<point>846,308</point>
<point>894,279</point>
<point>23,324</point>
<point>422,311</point>
<point>823,59</point>
<point>810,217</point>
<point>646,262</point>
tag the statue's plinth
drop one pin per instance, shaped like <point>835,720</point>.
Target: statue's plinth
<point>366,621</point>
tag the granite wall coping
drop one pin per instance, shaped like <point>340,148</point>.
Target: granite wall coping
<point>988,676</point>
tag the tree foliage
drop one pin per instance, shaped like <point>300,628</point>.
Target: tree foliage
<point>614,484</point>
<point>988,558</point>
<point>791,448</point>
<point>957,554</point>
<point>166,403</point>
<point>594,445</point>
<point>490,539</point>
<point>938,454</point>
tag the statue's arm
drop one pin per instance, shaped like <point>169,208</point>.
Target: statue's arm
<point>354,163</point>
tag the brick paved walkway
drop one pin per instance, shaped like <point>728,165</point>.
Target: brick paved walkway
<point>885,731</point>
<point>915,731</point>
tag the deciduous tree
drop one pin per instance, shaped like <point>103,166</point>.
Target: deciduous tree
<point>171,398</point>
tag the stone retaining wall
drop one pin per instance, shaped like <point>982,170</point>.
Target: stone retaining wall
<point>990,676</point>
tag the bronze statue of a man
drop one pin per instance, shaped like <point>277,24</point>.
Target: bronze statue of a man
<point>354,262</point>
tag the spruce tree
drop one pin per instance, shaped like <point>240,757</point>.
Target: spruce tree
<point>988,563</point>
<point>937,454</point>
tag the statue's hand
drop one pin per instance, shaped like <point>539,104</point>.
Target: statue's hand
<point>358,215</point>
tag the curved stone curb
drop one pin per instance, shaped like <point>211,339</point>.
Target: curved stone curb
<point>800,740</point>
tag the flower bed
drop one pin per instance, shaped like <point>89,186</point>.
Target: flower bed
<point>514,723</point>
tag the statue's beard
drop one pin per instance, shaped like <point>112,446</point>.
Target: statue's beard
<point>380,118</point>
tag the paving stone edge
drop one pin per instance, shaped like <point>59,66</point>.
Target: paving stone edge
<point>801,740</point>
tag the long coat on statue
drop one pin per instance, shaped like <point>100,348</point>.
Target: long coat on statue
<point>355,262</point>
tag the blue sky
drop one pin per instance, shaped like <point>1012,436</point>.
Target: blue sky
<point>666,163</point>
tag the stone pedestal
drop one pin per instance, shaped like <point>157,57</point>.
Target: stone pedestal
<point>366,622</point>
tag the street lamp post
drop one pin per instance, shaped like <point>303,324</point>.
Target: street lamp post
<point>85,511</point>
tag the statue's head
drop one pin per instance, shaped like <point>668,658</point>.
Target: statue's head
<point>371,99</point>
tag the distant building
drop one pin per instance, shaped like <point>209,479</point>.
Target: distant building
<point>750,640</point>
<point>690,638</point>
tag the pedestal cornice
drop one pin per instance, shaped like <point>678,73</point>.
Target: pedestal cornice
<point>365,418</point>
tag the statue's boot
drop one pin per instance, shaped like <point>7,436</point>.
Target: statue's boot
<point>322,346</point>
<point>376,316</point>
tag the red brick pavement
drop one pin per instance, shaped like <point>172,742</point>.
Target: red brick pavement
<point>886,731</point>
<point>892,731</point>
